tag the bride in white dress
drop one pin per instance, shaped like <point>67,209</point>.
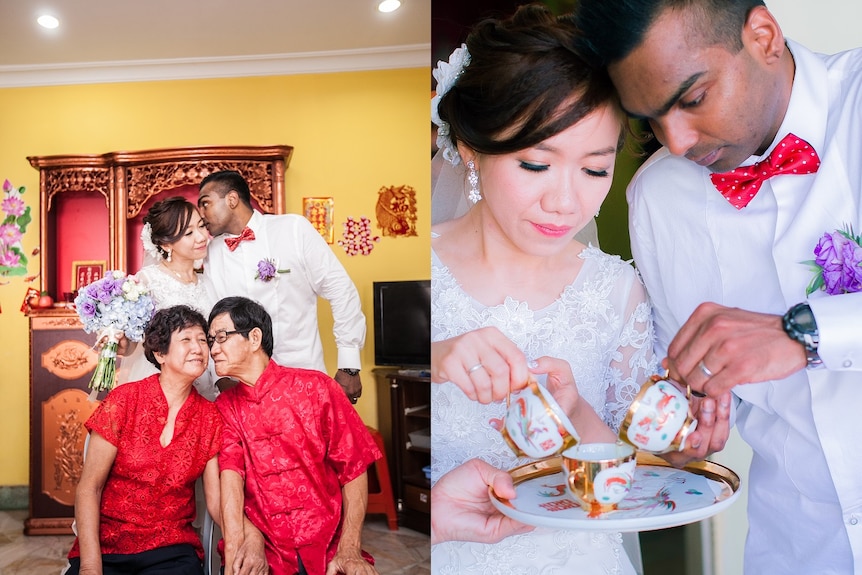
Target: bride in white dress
<point>174,238</point>
<point>513,290</point>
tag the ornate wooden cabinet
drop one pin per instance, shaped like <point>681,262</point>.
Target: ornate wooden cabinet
<point>91,211</point>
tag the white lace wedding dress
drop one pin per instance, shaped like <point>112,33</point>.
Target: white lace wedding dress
<point>604,330</point>
<point>169,291</point>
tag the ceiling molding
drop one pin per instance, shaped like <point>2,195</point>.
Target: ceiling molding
<point>388,58</point>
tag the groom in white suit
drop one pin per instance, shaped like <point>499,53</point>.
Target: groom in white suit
<point>722,88</point>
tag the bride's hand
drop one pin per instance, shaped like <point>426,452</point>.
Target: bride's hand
<point>560,382</point>
<point>484,363</point>
<point>124,346</point>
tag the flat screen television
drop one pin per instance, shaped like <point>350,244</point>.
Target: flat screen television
<point>402,323</point>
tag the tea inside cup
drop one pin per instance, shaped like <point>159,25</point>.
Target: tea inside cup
<point>536,426</point>
<point>599,475</point>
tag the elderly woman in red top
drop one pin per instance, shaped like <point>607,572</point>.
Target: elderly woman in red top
<point>149,441</point>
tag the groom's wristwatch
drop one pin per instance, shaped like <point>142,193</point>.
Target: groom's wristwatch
<point>800,325</point>
<point>349,371</point>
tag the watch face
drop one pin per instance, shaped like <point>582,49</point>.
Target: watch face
<point>804,319</point>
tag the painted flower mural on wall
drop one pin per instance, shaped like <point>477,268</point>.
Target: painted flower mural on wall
<point>15,219</point>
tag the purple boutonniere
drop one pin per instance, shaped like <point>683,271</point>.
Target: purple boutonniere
<point>837,263</point>
<point>267,270</point>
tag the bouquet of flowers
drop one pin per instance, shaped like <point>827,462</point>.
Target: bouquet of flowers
<point>838,263</point>
<point>116,304</point>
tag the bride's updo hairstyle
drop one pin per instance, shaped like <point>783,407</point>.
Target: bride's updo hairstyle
<point>168,221</point>
<point>524,84</point>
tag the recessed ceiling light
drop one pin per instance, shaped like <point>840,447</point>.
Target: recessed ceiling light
<point>47,21</point>
<point>389,5</point>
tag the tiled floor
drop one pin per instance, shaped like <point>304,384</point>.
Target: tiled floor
<point>402,552</point>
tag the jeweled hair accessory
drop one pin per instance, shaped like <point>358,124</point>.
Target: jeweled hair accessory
<point>147,241</point>
<point>446,74</point>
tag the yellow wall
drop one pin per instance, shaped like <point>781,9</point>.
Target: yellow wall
<point>352,134</point>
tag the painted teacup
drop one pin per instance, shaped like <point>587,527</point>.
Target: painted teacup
<point>536,426</point>
<point>599,475</point>
<point>659,419</point>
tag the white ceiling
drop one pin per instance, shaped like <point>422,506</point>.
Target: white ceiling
<point>125,40</point>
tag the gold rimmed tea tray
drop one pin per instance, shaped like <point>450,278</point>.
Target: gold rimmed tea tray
<point>662,496</point>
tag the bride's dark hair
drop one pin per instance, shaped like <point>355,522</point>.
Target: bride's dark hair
<point>525,83</point>
<point>168,220</point>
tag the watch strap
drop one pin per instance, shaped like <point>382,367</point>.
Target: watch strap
<point>349,371</point>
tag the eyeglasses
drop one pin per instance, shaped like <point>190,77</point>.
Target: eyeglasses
<point>221,336</point>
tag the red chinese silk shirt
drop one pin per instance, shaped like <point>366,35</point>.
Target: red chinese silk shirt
<point>149,496</point>
<point>296,440</point>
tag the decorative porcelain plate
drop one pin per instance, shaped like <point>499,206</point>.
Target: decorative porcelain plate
<point>661,496</point>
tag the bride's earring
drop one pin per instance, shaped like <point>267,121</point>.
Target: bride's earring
<point>473,177</point>
<point>597,212</point>
<point>169,254</point>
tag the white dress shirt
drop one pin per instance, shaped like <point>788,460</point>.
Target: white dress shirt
<point>691,246</point>
<point>291,297</point>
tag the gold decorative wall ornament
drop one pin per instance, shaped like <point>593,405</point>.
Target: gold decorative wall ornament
<point>319,211</point>
<point>396,211</point>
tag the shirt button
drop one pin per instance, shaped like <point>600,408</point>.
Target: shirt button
<point>848,363</point>
<point>853,520</point>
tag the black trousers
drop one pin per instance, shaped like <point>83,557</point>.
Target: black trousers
<point>170,560</point>
<point>302,570</point>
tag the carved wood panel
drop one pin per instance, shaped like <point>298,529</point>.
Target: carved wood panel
<point>85,179</point>
<point>144,182</point>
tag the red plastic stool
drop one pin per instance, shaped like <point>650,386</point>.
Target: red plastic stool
<point>381,501</point>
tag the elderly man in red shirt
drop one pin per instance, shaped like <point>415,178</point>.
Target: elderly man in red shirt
<point>294,453</point>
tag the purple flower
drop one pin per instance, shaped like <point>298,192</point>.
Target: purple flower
<point>837,263</point>
<point>267,270</point>
<point>87,309</point>
<point>7,185</point>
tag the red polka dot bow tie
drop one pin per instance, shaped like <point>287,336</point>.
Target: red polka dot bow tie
<point>792,155</point>
<point>232,243</point>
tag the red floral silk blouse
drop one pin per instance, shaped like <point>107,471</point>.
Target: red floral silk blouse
<point>149,498</point>
<point>296,440</point>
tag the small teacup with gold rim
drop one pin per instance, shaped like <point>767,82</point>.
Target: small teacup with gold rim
<point>659,419</point>
<point>599,475</point>
<point>535,425</point>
